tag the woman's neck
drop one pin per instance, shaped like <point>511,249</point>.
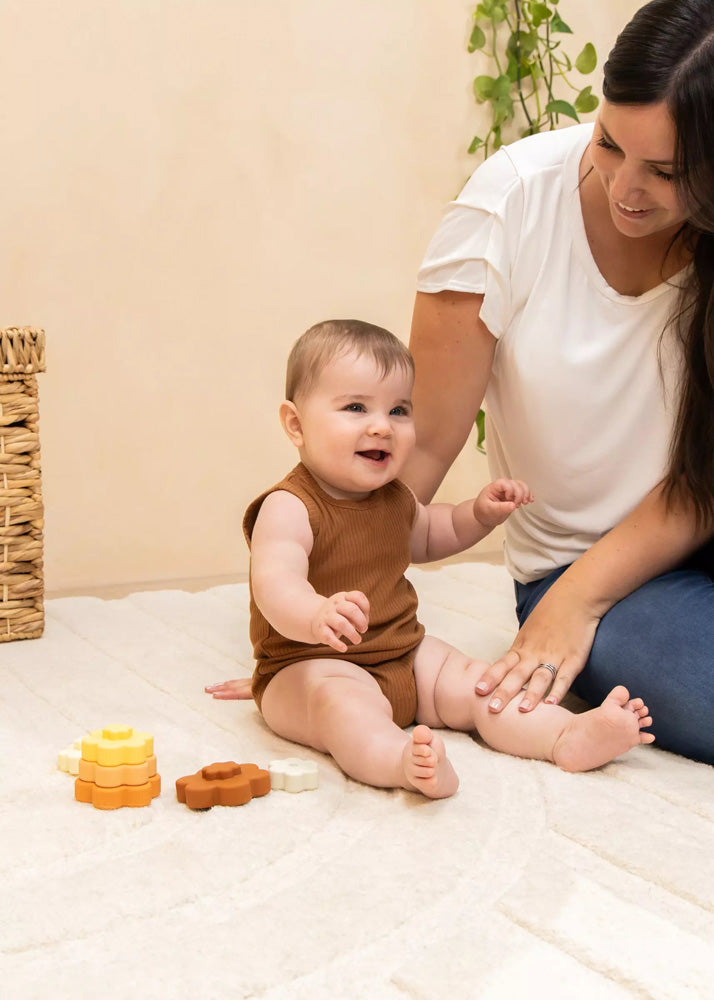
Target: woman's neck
<point>630,266</point>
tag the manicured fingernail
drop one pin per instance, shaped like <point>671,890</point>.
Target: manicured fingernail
<point>524,706</point>
<point>551,701</point>
<point>495,704</point>
<point>482,686</point>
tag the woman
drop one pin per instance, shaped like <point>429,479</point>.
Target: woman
<point>572,286</point>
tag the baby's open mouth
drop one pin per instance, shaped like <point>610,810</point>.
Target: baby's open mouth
<point>374,456</point>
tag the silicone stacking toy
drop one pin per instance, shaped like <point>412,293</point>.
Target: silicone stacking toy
<point>117,745</point>
<point>222,784</point>
<point>121,795</point>
<point>120,774</point>
<point>293,774</point>
<point>117,768</point>
<point>68,759</point>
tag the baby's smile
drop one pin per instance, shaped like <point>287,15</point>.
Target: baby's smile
<point>374,455</point>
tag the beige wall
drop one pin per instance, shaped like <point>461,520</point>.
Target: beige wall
<point>185,186</point>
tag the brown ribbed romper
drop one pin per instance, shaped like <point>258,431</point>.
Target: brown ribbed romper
<point>358,545</point>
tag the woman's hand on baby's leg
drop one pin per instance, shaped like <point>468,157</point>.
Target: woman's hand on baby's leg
<point>558,634</point>
<point>236,690</point>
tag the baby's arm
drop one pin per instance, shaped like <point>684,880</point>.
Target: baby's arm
<point>442,529</point>
<point>280,549</point>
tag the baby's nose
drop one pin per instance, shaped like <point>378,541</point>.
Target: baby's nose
<point>380,424</point>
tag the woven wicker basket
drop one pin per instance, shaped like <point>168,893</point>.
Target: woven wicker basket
<point>22,355</point>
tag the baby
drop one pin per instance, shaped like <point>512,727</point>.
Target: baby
<point>342,663</point>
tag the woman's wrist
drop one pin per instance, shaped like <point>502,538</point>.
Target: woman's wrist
<point>579,592</point>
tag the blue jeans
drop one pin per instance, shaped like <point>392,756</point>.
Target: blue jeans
<point>659,643</point>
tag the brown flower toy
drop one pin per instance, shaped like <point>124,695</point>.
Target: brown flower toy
<point>224,784</point>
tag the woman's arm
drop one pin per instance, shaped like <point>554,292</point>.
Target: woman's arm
<point>560,630</point>
<point>453,353</point>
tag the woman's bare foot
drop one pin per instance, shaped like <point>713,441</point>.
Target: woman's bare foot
<point>426,767</point>
<point>596,737</point>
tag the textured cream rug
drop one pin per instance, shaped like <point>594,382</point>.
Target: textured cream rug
<point>529,883</point>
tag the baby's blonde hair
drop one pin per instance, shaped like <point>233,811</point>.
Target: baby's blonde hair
<point>333,338</point>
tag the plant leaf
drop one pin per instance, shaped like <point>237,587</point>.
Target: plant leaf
<point>477,40</point>
<point>502,111</point>
<point>586,101</point>
<point>562,108</point>
<point>587,60</point>
<point>532,129</point>
<point>483,88</point>
<point>539,12</point>
<point>476,142</point>
<point>535,71</point>
<point>481,431</point>
<point>524,41</point>
<point>502,86</point>
<point>558,24</point>
<point>492,10</point>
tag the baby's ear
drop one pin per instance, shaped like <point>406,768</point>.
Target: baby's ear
<point>292,425</point>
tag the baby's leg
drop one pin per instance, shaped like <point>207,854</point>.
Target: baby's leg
<point>446,681</point>
<point>338,708</point>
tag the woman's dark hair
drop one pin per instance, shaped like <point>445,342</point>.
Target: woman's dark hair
<point>666,54</point>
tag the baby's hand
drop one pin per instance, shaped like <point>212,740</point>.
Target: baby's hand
<point>237,690</point>
<point>499,499</point>
<point>344,614</point>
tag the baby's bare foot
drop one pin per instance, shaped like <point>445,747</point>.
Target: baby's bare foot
<point>598,736</point>
<point>426,767</point>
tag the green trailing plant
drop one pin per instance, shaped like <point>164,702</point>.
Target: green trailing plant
<point>523,38</point>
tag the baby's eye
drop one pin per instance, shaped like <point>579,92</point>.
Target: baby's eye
<point>355,408</point>
<point>399,411</point>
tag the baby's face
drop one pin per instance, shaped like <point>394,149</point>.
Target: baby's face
<point>357,426</point>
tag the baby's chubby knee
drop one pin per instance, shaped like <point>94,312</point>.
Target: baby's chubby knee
<point>461,671</point>
<point>326,693</point>
<point>454,698</point>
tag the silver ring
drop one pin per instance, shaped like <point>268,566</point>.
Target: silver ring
<point>548,666</point>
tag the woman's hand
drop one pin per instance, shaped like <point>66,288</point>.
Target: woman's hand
<point>559,632</point>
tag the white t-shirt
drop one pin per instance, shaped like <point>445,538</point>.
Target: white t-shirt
<point>583,391</point>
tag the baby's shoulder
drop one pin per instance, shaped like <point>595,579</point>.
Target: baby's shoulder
<point>405,497</point>
<point>280,504</point>
<point>277,512</point>
<point>282,516</point>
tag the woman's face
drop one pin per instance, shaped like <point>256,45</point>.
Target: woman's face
<point>632,152</point>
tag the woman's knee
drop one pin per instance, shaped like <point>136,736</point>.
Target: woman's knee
<point>659,642</point>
